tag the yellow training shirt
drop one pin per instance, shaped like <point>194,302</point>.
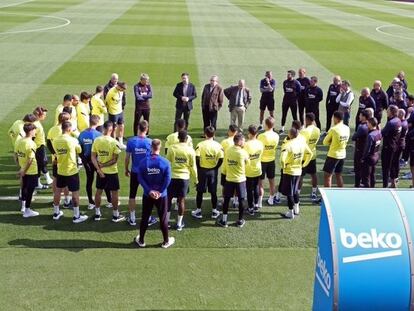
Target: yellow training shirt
<point>40,134</point>
<point>114,101</point>
<point>98,108</point>
<point>209,151</point>
<point>83,112</point>
<point>172,139</point>
<point>25,149</point>
<point>105,148</point>
<point>228,142</point>
<point>295,154</point>
<point>73,116</point>
<point>183,163</point>
<point>254,148</point>
<point>336,139</point>
<point>67,148</point>
<point>16,131</point>
<point>235,161</point>
<point>270,140</point>
<point>312,134</point>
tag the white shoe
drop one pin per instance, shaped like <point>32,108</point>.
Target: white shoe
<point>109,204</point>
<point>296,209</point>
<point>29,213</point>
<point>122,146</point>
<point>171,241</point>
<point>91,206</point>
<point>81,218</point>
<point>270,200</point>
<point>290,214</point>
<point>49,181</point>
<point>56,216</point>
<point>136,240</point>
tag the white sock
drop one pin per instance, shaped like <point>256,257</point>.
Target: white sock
<point>299,191</point>
<point>168,216</point>
<point>314,190</point>
<point>20,192</point>
<point>115,213</point>
<point>224,218</point>
<point>39,184</point>
<point>97,211</point>
<point>277,196</point>
<point>260,203</point>
<point>67,199</point>
<point>179,220</point>
<point>47,176</point>
<point>76,211</point>
<point>132,216</point>
<point>23,204</point>
<point>121,140</point>
<point>56,209</point>
<point>283,128</point>
<point>235,200</point>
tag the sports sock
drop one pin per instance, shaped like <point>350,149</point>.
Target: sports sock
<point>132,216</point>
<point>56,209</point>
<point>76,211</point>
<point>97,211</point>
<point>115,213</point>
<point>179,220</point>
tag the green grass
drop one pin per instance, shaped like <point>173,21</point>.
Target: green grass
<point>268,264</point>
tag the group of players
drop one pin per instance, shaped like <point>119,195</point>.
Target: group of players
<point>81,136</point>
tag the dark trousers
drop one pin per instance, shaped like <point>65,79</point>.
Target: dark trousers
<point>387,156</point>
<point>147,204</point>
<point>395,166</point>
<point>292,200</point>
<point>330,109</point>
<point>29,183</point>
<point>301,108</point>
<point>293,105</point>
<point>252,187</point>
<point>315,111</point>
<point>140,113</point>
<point>182,114</point>
<point>90,176</point>
<point>368,175</point>
<point>199,200</point>
<point>209,118</point>
<point>41,159</point>
<point>357,168</point>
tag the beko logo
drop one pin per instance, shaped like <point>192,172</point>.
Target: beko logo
<point>322,274</point>
<point>385,244</point>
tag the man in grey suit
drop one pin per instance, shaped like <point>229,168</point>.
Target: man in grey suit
<point>239,98</point>
<point>211,102</point>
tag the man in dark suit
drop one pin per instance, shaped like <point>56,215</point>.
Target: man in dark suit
<point>239,98</point>
<point>211,102</point>
<point>185,93</point>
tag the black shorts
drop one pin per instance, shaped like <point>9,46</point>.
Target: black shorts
<point>178,188</point>
<point>116,118</point>
<point>230,188</point>
<point>267,103</point>
<point>333,165</point>
<point>411,159</point>
<point>310,169</point>
<point>207,180</point>
<point>133,185</point>
<point>268,170</point>
<point>72,182</point>
<point>290,185</point>
<point>29,182</point>
<point>54,170</point>
<point>223,180</point>
<point>109,182</point>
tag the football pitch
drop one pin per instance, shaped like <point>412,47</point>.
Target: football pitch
<point>51,48</point>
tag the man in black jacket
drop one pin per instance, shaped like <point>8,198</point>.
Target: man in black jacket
<point>185,92</point>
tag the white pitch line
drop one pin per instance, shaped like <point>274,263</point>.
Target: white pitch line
<point>66,23</point>
<point>379,29</point>
<point>15,4</point>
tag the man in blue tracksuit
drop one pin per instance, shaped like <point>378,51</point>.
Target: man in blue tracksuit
<point>154,174</point>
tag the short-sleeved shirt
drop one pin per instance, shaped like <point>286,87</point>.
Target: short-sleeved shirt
<point>25,149</point>
<point>83,112</point>
<point>337,139</point>
<point>270,140</point>
<point>139,147</point>
<point>98,108</point>
<point>16,131</point>
<point>40,134</point>
<point>209,151</point>
<point>73,116</point>
<point>235,160</point>
<point>311,134</point>
<point>182,159</point>
<point>228,142</point>
<point>114,101</point>
<point>172,139</point>
<point>66,148</point>
<point>105,148</point>
<point>255,150</point>
<point>86,139</point>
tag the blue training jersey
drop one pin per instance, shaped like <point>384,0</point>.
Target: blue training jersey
<point>154,173</point>
<point>139,147</point>
<point>86,139</point>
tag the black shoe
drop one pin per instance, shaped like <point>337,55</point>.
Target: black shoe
<point>97,217</point>
<point>222,223</point>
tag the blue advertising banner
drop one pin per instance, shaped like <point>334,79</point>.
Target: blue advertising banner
<point>365,252</point>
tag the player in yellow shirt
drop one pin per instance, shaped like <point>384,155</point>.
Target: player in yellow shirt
<point>113,101</point>
<point>16,130</point>
<point>172,139</point>
<point>254,148</point>
<point>337,139</point>
<point>41,113</point>
<point>234,166</point>
<point>68,101</point>
<point>183,167</point>
<point>105,152</point>
<point>209,157</point>
<point>83,112</point>
<point>312,134</point>
<point>295,154</point>
<point>270,140</point>
<point>67,149</point>
<point>25,156</point>
<point>98,107</point>
<point>226,143</point>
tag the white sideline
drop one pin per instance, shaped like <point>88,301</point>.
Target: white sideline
<point>379,29</point>
<point>15,4</point>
